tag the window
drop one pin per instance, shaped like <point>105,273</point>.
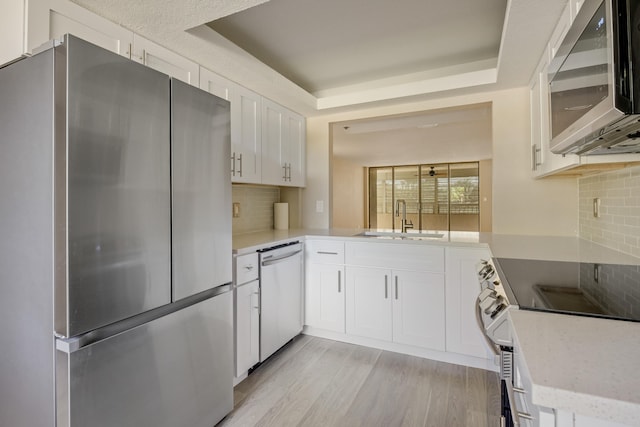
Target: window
<point>437,197</point>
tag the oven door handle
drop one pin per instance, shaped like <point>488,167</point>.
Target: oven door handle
<point>494,348</point>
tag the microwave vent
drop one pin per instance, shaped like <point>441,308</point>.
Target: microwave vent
<point>622,137</point>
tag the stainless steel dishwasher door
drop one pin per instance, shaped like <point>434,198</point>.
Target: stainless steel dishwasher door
<point>280,297</point>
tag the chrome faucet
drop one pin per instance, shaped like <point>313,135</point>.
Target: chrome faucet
<point>405,222</point>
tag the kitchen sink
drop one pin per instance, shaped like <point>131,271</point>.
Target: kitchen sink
<point>398,235</point>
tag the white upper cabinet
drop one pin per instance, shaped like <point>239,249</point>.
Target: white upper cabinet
<point>543,161</point>
<point>246,126</point>
<point>162,59</point>
<point>283,146</point>
<point>26,25</point>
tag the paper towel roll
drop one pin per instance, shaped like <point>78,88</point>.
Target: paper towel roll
<point>281,216</point>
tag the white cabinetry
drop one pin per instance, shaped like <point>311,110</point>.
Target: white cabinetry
<point>247,312</point>
<point>543,161</point>
<point>395,293</point>
<point>368,303</point>
<point>66,17</point>
<point>463,333</point>
<point>419,309</point>
<point>405,307</point>
<point>162,59</point>
<point>246,126</point>
<point>324,285</point>
<point>25,25</point>
<point>283,146</point>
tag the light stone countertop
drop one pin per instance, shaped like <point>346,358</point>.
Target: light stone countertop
<point>579,364</point>
<point>584,365</point>
<point>501,245</point>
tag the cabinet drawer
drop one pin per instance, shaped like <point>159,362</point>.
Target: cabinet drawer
<point>246,268</point>
<point>396,256</point>
<point>325,251</point>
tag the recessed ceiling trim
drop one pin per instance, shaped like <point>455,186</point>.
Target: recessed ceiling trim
<point>457,81</point>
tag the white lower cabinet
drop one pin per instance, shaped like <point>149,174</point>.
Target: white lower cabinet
<point>325,297</point>
<point>247,326</point>
<point>368,303</point>
<point>405,307</point>
<point>464,336</point>
<point>246,312</point>
<point>419,309</point>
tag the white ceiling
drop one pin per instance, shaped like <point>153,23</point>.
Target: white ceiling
<point>332,55</point>
<point>179,26</point>
<point>438,136</point>
<point>329,44</point>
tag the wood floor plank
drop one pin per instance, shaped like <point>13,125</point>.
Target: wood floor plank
<point>305,389</point>
<point>317,382</point>
<point>331,406</point>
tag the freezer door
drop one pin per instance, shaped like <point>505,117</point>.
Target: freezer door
<point>174,371</point>
<point>117,206</point>
<point>201,186</point>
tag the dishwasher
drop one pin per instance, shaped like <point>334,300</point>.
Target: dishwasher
<point>280,296</point>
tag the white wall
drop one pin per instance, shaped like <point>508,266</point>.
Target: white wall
<point>521,205</point>
<point>348,194</point>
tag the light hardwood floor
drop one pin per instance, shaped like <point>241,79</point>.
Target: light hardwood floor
<point>319,382</point>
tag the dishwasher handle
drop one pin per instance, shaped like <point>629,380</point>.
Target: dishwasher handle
<point>270,260</point>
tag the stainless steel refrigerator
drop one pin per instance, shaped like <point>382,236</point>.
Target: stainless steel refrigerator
<point>115,245</point>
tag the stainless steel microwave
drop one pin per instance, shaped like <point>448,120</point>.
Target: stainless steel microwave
<point>594,85</point>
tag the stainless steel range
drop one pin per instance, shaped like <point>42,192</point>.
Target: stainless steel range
<point>575,288</point>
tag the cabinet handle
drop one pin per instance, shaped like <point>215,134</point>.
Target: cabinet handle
<point>534,157</point>
<point>233,164</point>
<point>386,287</point>
<point>525,416</point>
<point>284,177</point>
<point>327,253</point>
<point>289,172</point>
<point>249,267</point>
<point>143,58</point>
<point>396,287</point>
<point>240,168</point>
<point>257,307</point>
<point>339,281</point>
<point>519,390</point>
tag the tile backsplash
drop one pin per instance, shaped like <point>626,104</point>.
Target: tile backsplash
<point>256,207</point>
<point>618,226</point>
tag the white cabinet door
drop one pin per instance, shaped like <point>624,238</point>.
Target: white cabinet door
<point>26,25</point>
<point>13,29</point>
<point>369,303</point>
<point>246,126</point>
<point>273,162</point>
<point>462,289</point>
<point>325,297</point>
<point>66,17</point>
<point>418,309</point>
<point>162,59</point>
<point>283,146</point>
<point>296,145</point>
<point>246,135</point>
<point>247,327</point>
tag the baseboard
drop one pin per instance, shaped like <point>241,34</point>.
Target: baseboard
<point>442,356</point>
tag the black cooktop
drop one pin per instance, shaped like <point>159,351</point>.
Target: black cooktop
<point>600,290</point>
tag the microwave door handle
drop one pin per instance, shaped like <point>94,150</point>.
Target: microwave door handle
<point>492,345</point>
